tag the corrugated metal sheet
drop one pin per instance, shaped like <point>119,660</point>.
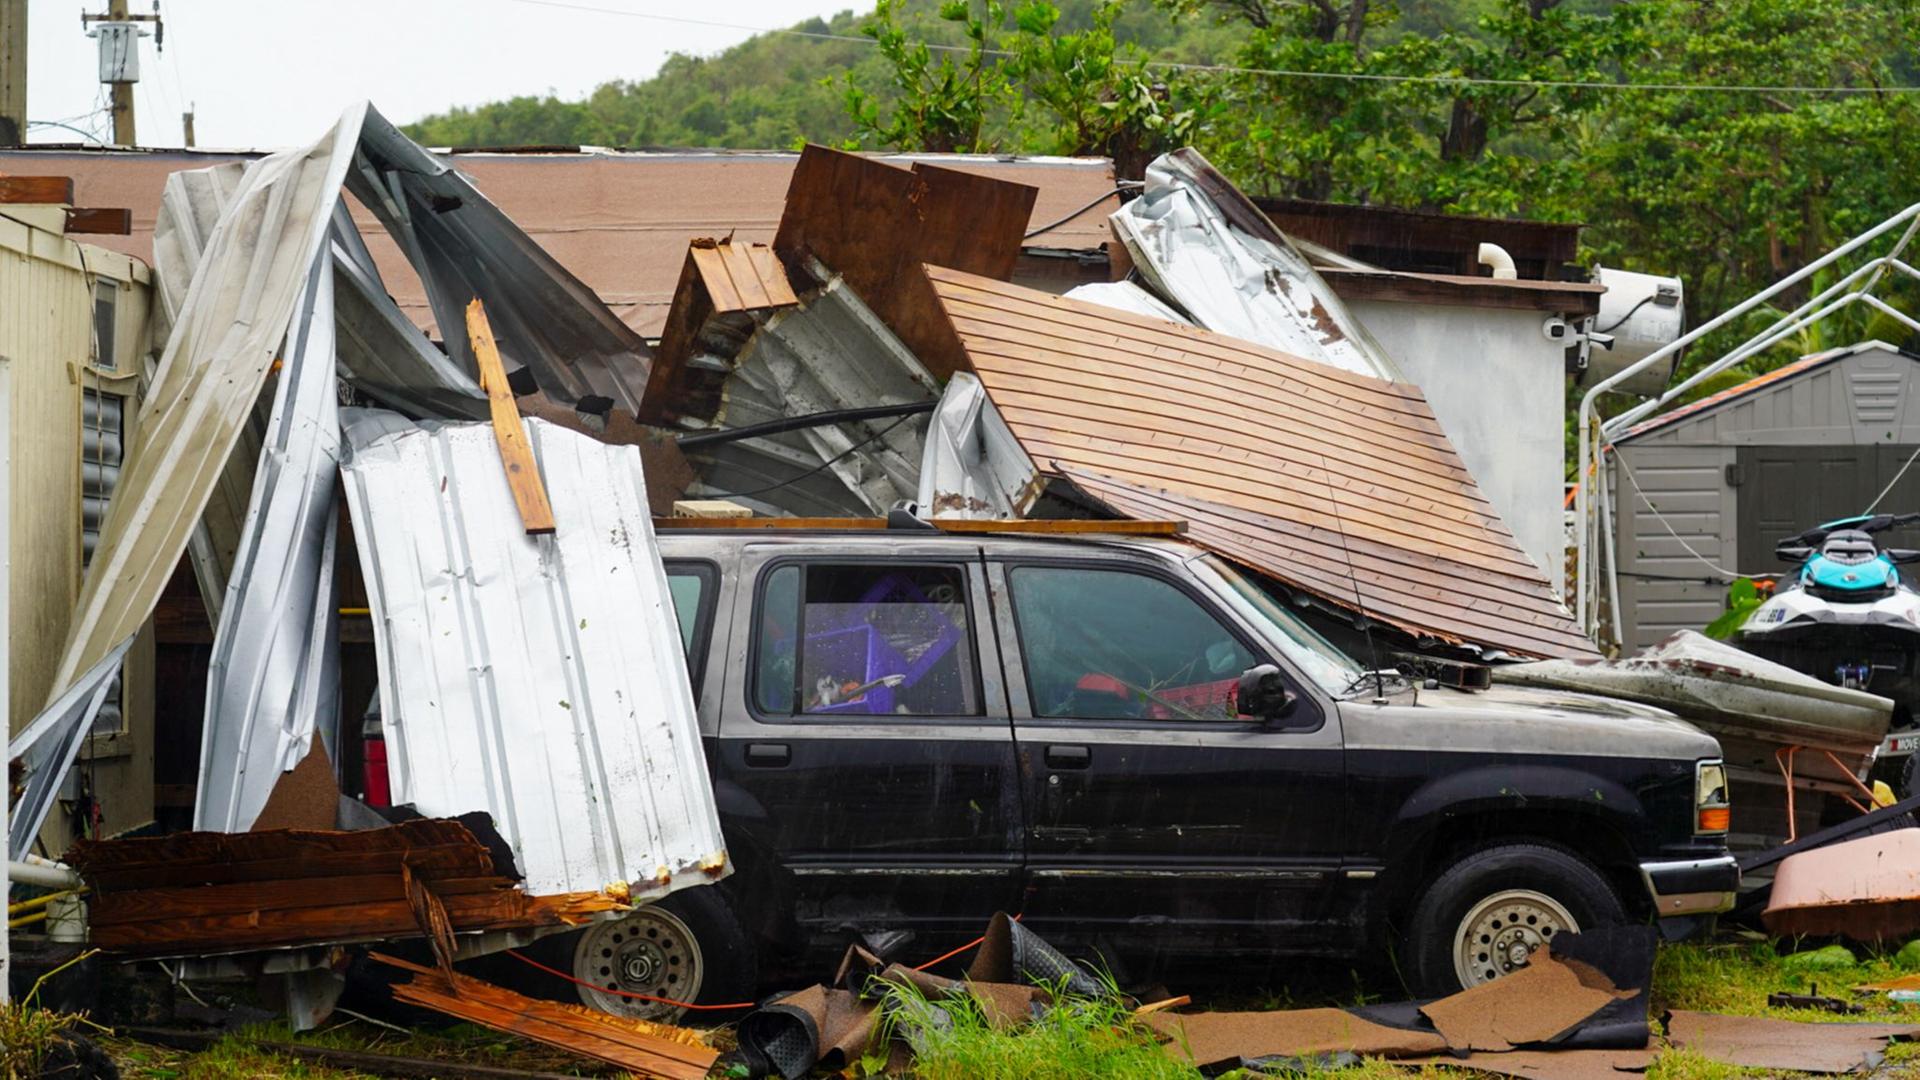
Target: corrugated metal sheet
<point>544,319</point>
<point>274,678</point>
<point>381,352</point>
<point>539,679</point>
<point>828,353</point>
<point>225,339</point>
<point>1200,243</point>
<point>1271,458</point>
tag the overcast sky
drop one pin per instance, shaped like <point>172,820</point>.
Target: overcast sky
<point>277,72</point>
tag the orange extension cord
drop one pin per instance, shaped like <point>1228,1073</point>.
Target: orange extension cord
<point>531,962</point>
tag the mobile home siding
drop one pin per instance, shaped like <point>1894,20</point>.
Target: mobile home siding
<point>48,288</point>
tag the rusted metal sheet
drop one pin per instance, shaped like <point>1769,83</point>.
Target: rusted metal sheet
<point>1339,484</point>
<point>640,1046</point>
<point>721,283</point>
<point>876,224</point>
<point>1866,889</point>
<point>204,894</point>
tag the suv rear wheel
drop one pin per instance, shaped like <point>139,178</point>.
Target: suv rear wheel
<point>688,947</point>
<point>1485,915</point>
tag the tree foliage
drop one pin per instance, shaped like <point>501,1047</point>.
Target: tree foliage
<point>1364,101</point>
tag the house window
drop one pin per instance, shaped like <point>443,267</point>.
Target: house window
<point>102,446</point>
<point>105,296</point>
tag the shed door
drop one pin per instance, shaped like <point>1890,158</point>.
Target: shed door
<point>1786,490</point>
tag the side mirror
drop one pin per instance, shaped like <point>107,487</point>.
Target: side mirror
<point>1793,553</point>
<point>1263,694</point>
<point>1901,556</point>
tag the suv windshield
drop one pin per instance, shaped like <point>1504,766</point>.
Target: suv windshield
<point>1315,656</point>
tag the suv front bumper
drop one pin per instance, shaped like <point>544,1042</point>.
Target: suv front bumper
<point>1691,886</point>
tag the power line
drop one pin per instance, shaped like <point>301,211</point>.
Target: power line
<point>1230,69</point>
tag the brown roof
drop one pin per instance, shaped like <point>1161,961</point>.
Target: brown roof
<point>1294,468</point>
<point>620,222</point>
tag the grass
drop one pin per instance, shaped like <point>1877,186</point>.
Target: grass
<point>1080,1038</point>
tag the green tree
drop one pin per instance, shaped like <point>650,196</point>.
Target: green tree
<point>941,98</point>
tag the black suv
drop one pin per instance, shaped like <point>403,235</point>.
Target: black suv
<point>1139,750</point>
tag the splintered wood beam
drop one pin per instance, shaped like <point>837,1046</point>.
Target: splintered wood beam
<point>523,476</point>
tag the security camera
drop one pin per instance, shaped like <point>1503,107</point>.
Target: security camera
<point>1556,329</point>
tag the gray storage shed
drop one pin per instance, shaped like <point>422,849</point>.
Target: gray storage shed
<point>1711,487</point>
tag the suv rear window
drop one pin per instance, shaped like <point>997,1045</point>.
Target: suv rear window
<point>1111,644</point>
<point>878,639</point>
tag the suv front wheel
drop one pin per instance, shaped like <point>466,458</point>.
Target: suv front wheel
<point>1485,915</point>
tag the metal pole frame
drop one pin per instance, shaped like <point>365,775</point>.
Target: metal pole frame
<point>1593,444</point>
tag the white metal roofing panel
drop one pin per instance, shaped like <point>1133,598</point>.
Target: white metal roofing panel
<point>539,679</point>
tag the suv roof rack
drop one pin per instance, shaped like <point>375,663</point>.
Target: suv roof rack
<point>1044,527</point>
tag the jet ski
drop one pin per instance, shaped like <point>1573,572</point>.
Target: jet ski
<point>1845,616</point>
<point>1848,617</point>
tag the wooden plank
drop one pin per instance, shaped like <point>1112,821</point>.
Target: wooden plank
<point>159,905</point>
<point>36,189</point>
<point>383,920</point>
<point>523,476</point>
<point>1063,527</point>
<point>220,849</point>
<point>647,1048</point>
<point>844,524</point>
<point>111,221</point>
<point>447,861</point>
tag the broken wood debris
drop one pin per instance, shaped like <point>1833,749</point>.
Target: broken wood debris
<point>640,1046</point>
<point>213,893</point>
<point>523,474</point>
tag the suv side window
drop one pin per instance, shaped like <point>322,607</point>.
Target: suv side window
<point>1114,644</point>
<point>863,640</point>
<point>690,586</point>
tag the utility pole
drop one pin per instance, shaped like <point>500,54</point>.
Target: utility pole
<point>186,125</point>
<point>119,34</point>
<point>13,72</point>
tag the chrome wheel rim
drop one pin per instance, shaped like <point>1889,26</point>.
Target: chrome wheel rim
<point>1500,934</point>
<point>649,952</point>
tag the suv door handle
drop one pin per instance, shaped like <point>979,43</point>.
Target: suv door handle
<point>1068,757</point>
<point>764,755</point>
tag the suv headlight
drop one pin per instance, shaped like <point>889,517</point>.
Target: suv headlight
<point>1712,812</point>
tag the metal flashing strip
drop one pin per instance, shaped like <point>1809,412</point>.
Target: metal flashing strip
<point>539,679</point>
